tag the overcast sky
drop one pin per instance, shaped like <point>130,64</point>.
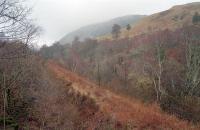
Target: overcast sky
<point>59,17</point>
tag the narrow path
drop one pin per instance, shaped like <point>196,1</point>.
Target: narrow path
<point>120,108</point>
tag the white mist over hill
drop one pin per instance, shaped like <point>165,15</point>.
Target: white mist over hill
<point>59,17</point>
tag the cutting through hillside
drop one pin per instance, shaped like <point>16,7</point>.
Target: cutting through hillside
<point>99,65</point>
<point>119,108</point>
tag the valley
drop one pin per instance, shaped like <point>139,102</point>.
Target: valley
<point>132,72</point>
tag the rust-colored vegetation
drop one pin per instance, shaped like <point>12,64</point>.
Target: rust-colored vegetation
<point>121,110</point>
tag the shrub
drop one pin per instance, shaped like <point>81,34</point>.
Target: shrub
<point>186,107</point>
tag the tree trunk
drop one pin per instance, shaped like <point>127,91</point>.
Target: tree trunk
<point>4,102</point>
<point>157,92</point>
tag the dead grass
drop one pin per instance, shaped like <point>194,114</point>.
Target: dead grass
<point>120,109</point>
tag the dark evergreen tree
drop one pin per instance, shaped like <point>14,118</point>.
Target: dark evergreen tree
<point>196,18</point>
<point>128,27</point>
<point>116,30</point>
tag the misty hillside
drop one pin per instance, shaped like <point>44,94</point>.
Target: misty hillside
<point>100,29</point>
<point>156,62</point>
<point>176,17</point>
<point>140,77</point>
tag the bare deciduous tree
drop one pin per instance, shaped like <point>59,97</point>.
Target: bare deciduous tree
<point>13,20</point>
<point>15,25</point>
<point>192,54</point>
<point>16,32</point>
<point>155,66</point>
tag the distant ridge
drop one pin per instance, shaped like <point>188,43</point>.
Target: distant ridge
<point>173,18</point>
<point>176,17</point>
<point>100,29</point>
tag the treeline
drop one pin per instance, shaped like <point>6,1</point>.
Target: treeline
<point>17,63</point>
<point>161,67</point>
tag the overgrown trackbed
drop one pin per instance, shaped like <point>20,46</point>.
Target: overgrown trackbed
<point>120,108</point>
